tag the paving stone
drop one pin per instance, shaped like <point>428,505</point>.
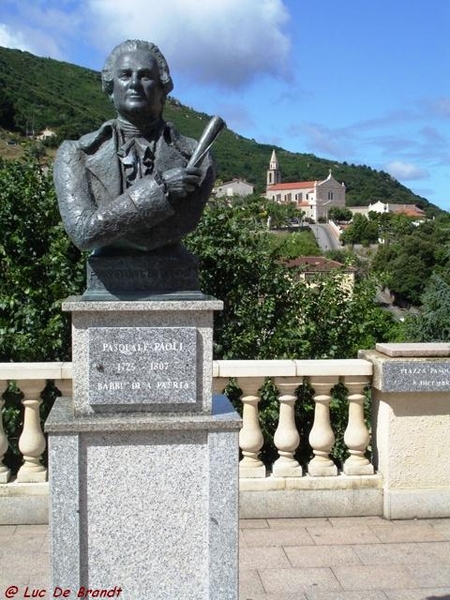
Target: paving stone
<point>250,584</point>
<point>381,577</point>
<point>302,522</point>
<point>353,521</point>
<point>19,579</point>
<point>26,544</point>
<point>284,581</point>
<point>276,537</point>
<point>437,575</point>
<point>7,530</point>
<point>261,558</point>
<point>321,556</point>
<point>278,596</point>
<point>29,530</point>
<point>424,594</point>
<point>362,595</point>
<point>415,532</point>
<point>296,559</point>
<point>339,535</point>
<point>437,521</point>
<point>404,554</point>
<point>443,528</point>
<point>253,524</point>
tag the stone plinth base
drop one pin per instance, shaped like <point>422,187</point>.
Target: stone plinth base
<point>145,503</point>
<point>358,469</point>
<point>282,468</point>
<point>416,504</point>
<point>24,503</point>
<point>322,468</point>
<point>297,497</point>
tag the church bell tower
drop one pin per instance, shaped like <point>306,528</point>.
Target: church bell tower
<point>273,173</point>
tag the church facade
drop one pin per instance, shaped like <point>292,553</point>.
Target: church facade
<point>314,198</point>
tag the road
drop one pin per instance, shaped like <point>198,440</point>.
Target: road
<point>325,236</point>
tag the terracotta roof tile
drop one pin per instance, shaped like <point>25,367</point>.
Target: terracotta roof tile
<point>291,186</point>
<point>317,264</point>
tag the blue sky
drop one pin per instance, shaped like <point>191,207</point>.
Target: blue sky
<point>362,81</point>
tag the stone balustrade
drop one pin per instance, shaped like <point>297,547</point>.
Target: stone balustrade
<point>409,437</point>
<point>31,379</point>
<point>287,375</point>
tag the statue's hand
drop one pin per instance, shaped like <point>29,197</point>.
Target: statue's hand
<point>180,181</point>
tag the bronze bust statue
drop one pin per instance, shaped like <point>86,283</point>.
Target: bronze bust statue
<point>127,188</point>
<point>127,184</point>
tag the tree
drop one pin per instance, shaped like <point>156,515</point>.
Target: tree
<point>432,323</point>
<point>6,109</point>
<point>296,243</point>
<point>281,214</point>
<point>361,231</point>
<point>269,311</point>
<point>39,267</point>
<point>340,214</point>
<point>406,266</point>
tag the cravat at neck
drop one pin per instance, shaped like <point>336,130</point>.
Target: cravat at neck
<point>150,131</point>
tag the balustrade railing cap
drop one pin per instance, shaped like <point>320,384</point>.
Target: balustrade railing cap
<point>414,350</point>
<point>36,370</point>
<point>333,367</point>
<point>292,368</point>
<point>256,368</point>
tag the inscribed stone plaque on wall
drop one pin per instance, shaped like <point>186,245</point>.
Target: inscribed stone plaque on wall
<point>142,365</point>
<point>416,376</point>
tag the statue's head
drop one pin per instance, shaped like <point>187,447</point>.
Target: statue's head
<point>143,62</point>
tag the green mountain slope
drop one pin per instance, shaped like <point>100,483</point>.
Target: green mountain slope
<point>41,92</point>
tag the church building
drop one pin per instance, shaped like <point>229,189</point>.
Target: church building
<point>315,198</point>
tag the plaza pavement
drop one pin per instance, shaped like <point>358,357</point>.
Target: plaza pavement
<point>359,558</point>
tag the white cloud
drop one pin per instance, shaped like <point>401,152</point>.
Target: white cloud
<point>334,143</point>
<point>13,39</point>
<point>440,106</point>
<point>39,28</point>
<point>225,42</point>
<point>228,43</point>
<point>405,171</point>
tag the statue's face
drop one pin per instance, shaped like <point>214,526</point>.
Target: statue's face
<point>137,90</point>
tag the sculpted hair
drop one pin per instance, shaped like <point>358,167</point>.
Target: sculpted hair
<point>131,46</point>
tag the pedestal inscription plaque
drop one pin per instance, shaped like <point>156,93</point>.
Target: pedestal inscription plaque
<point>142,365</point>
<point>416,376</point>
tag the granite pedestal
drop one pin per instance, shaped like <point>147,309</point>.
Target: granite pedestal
<point>143,460</point>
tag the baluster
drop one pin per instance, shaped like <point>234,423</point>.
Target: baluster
<point>4,471</point>
<point>65,387</point>
<point>286,436</point>
<point>250,436</point>
<point>321,436</point>
<point>356,436</point>
<point>32,440</point>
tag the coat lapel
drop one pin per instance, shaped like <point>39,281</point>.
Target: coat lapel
<point>103,165</point>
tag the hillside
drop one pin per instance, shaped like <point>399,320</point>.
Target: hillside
<point>36,93</point>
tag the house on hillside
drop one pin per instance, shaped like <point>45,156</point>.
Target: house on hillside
<point>315,198</point>
<point>46,134</point>
<point>311,268</point>
<point>236,187</point>
<point>409,210</point>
